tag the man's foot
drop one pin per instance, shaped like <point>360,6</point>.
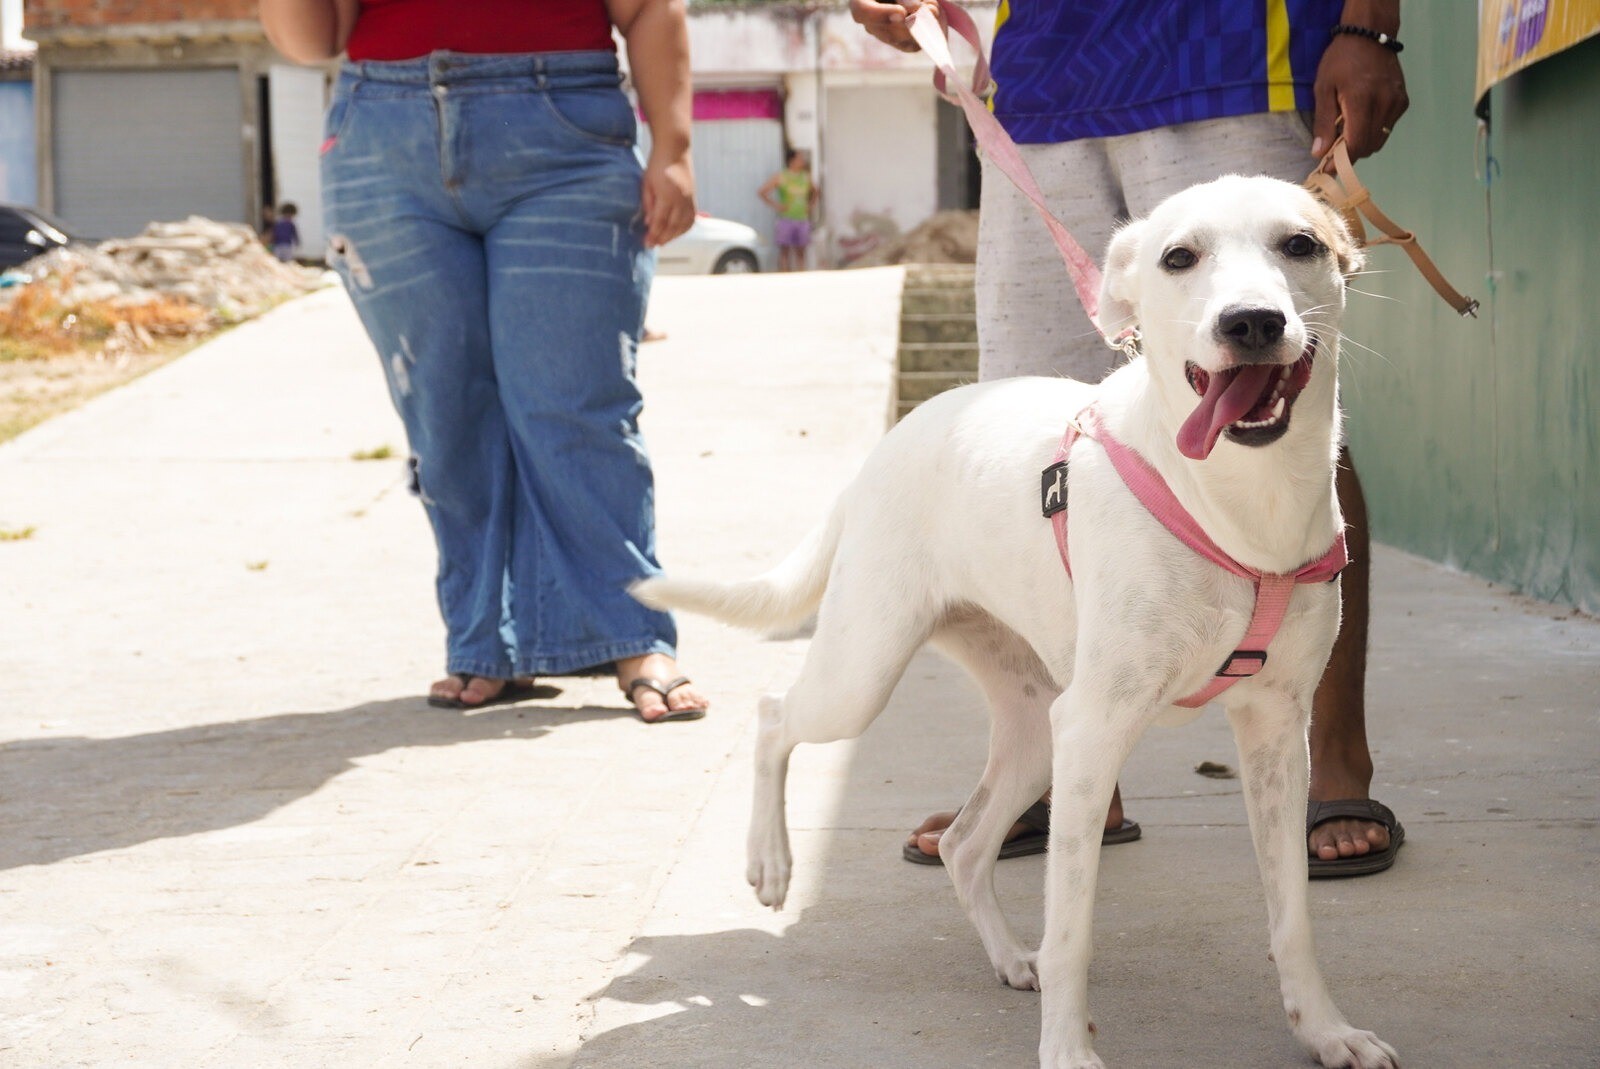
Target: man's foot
<point>1333,780</point>
<point>1361,810</point>
<point>653,705</point>
<point>461,691</point>
<point>926,836</point>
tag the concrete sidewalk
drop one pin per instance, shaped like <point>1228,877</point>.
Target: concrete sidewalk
<point>233,834</point>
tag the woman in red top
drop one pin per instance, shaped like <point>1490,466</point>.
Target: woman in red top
<point>493,225</point>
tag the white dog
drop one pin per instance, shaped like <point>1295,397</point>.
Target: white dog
<point>1236,288</point>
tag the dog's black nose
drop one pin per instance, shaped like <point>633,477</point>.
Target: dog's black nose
<point>1250,329</point>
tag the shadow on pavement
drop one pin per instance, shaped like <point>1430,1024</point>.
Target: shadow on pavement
<point>64,797</point>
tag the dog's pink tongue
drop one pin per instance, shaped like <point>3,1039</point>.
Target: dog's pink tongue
<point>1228,397</point>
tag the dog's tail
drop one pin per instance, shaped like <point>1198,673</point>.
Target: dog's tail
<point>778,600</point>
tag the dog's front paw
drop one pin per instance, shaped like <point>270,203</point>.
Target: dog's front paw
<point>1351,1048</point>
<point>1082,1060</point>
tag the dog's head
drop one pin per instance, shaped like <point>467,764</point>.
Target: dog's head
<point>1236,287</point>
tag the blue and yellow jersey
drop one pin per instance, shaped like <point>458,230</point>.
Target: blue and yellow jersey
<point>1098,68</point>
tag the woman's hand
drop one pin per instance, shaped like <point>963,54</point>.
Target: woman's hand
<point>667,198</point>
<point>657,35</point>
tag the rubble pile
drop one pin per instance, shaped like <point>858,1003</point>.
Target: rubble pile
<point>174,279</point>
<point>949,237</point>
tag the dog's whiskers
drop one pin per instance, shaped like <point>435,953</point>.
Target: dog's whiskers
<point>1347,339</point>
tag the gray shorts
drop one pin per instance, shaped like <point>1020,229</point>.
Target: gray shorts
<point>1029,319</point>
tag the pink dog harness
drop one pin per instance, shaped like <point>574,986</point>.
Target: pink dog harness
<point>1272,591</point>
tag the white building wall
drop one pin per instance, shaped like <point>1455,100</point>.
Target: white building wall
<point>296,102</point>
<point>880,143</point>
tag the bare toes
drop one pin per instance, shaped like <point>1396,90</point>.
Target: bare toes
<point>1353,838</point>
<point>480,689</point>
<point>448,688</point>
<point>686,697</point>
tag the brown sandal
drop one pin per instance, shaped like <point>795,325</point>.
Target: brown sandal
<point>693,712</point>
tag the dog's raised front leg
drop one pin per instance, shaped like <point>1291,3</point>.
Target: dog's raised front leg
<point>1093,737</point>
<point>1275,760</point>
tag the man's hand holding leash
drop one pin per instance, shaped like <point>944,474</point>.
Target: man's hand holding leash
<point>1360,78</point>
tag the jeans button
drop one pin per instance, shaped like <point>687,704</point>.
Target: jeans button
<point>441,90</point>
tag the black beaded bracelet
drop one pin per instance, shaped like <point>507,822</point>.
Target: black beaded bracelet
<point>1372,35</point>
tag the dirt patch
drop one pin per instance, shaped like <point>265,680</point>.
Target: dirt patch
<point>949,237</point>
<point>82,320</point>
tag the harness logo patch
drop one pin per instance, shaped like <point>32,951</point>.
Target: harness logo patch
<point>1053,489</point>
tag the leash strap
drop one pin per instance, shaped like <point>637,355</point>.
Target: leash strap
<point>1344,193</point>
<point>1272,590</point>
<point>999,147</point>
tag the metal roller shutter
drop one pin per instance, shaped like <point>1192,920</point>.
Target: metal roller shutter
<point>132,147</point>
<point>732,157</point>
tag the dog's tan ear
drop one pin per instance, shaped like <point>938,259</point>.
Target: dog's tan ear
<point>1119,284</point>
<point>1333,232</point>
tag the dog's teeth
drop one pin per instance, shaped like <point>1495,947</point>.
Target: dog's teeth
<point>1277,410</point>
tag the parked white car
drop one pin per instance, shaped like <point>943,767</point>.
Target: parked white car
<point>712,247</point>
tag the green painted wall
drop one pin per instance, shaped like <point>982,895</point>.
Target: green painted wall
<point>1476,439</point>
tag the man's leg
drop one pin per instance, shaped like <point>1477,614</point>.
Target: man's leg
<point>1341,764</point>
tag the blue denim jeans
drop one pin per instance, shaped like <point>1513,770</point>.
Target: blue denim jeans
<point>483,212</point>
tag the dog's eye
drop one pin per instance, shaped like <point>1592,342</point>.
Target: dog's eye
<point>1178,259</point>
<point>1301,245</point>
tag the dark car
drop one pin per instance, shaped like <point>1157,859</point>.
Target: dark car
<point>27,232</point>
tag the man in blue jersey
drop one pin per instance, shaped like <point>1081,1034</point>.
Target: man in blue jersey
<point>1116,105</point>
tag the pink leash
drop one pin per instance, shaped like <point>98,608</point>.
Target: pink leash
<point>1272,590</point>
<point>1001,150</point>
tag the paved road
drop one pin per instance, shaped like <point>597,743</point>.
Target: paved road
<point>232,834</point>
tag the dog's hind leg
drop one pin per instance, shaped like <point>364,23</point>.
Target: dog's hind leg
<point>1019,691</point>
<point>1270,731</point>
<point>870,624</point>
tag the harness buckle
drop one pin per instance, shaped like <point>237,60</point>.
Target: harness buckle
<point>1244,672</point>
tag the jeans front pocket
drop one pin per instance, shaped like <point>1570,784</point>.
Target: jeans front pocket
<point>598,115</point>
<point>335,124</point>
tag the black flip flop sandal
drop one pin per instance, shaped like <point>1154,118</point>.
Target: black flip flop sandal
<point>515,690</point>
<point>693,712</point>
<point>1033,841</point>
<point>1368,809</point>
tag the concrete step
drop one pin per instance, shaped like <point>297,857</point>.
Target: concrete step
<point>918,275</point>
<point>938,300</point>
<point>921,329</point>
<point>940,356</point>
<point>917,386</point>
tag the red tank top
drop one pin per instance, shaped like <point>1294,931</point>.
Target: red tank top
<point>406,29</point>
